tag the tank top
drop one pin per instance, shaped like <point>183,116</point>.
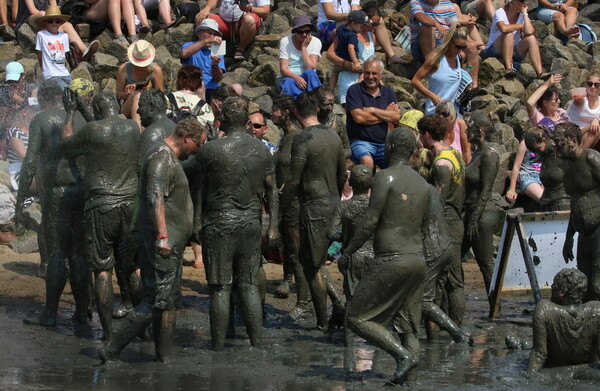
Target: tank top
<point>456,142</point>
<point>444,82</point>
<point>148,82</point>
<point>582,116</point>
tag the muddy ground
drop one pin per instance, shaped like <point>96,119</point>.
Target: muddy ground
<point>296,357</point>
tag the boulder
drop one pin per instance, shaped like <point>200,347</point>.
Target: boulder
<point>268,40</point>
<point>159,38</point>
<point>105,66</point>
<point>490,70</point>
<point>31,218</point>
<point>7,33</point>
<point>519,122</point>
<point>506,86</point>
<point>26,244</point>
<point>178,36</point>
<point>264,75</point>
<point>252,94</point>
<point>277,23</point>
<point>404,96</point>
<point>580,57</point>
<point>26,38</point>
<point>83,71</point>
<point>541,29</point>
<point>109,85</point>
<point>240,75</point>
<point>265,102</point>
<point>512,103</point>
<point>552,51</point>
<point>592,12</point>
<point>483,101</point>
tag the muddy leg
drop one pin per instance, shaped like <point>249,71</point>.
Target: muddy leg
<point>455,288</point>
<point>164,326</point>
<point>134,324</point>
<point>411,342</point>
<point>79,278</point>
<point>105,300</point>
<point>56,278</point>
<point>337,316</point>
<point>318,292</point>
<point>434,314</point>
<point>251,311</point>
<point>219,314</point>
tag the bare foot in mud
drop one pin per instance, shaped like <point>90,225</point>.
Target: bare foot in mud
<point>465,338</point>
<point>105,356</point>
<point>45,320</point>
<point>404,365</point>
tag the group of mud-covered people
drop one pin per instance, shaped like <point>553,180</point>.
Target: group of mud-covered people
<point>127,196</point>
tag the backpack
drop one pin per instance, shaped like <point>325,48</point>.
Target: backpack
<point>179,114</point>
<point>586,34</point>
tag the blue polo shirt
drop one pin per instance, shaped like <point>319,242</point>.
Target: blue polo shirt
<point>201,59</point>
<point>345,37</point>
<point>358,98</point>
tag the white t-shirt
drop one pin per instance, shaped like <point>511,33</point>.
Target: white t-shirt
<point>582,116</point>
<point>230,12</point>
<point>287,51</point>
<point>339,6</point>
<point>500,16</point>
<point>53,48</point>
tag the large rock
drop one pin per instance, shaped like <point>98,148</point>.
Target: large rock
<point>10,51</point>
<point>109,85</point>
<point>264,75</point>
<point>26,244</point>
<point>404,96</point>
<point>31,218</point>
<point>83,71</point>
<point>541,29</point>
<point>519,122</point>
<point>170,67</point>
<point>483,101</point>
<point>105,66</point>
<point>159,38</point>
<point>265,102</point>
<point>562,66</point>
<point>268,40</point>
<point>252,94</point>
<point>490,70</point>
<point>26,38</point>
<point>551,51</point>
<point>240,75</point>
<point>580,57</point>
<point>7,33</point>
<point>595,51</point>
<point>277,24</point>
<point>592,12</point>
<point>178,36</point>
<point>512,103</point>
<point>506,86</point>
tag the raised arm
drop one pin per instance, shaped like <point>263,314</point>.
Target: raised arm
<point>537,94</point>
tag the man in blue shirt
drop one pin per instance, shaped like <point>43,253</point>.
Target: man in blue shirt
<point>198,53</point>
<point>370,107</point>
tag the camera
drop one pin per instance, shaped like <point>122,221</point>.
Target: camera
<point>243,3</point>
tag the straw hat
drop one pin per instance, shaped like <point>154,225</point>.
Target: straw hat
<point>141,53</point>
<point>53,12</point>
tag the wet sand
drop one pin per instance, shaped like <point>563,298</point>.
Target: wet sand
<point>295,358</point>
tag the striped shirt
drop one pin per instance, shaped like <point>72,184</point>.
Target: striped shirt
<point>17,133</point>
<point>444,13</point>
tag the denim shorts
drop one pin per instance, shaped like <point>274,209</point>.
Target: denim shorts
<point>492,52</point>
<point>527,179</point>
<point>363,148</point>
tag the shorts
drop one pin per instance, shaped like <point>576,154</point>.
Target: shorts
<point>415,49</point>
<point>545,14</point>
<point>150,5</point>
<point>62,208</point>
<point>435,268</point>
<point>313,242</point>
<point>326,32</point>
<point>227,28</point>
<point>363,148</point>
<point>492,52</point>
<point>231,252</point>
<point>106,235</point>
<point>527,179</point>
<point>162,279</point>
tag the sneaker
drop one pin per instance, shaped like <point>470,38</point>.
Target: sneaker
<point>133,38</point>
<point>176,22</point>
<point>145,29</point>
<point>90,51</point>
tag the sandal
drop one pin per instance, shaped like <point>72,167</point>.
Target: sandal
<point>176,22</point>
<point>239,55</point>
<point>512,72</point>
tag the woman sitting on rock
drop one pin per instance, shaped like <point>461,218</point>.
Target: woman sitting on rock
<point>584,110</point>
<point>512,38</point>
<point>138,74</point>
<point>562,13</point>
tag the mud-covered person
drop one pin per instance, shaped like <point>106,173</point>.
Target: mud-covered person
<point>62,200</point>
<point>565,331</point>
<point>228,212</point>
<point>284,117</point>
<point>317,177</point>
<point>153,116</point>
<point>448,176</point>
<point>163,222</point>
<point>110,148</point>
<point>393,285</point>
<point>582,184</point>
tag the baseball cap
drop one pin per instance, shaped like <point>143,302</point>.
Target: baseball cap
<point>359,16</point>
<point>14,71</point>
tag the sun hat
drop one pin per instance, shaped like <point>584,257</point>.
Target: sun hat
<point>209,24</point>
<point>301,21</point>
<point>411,117</point>
<point>141,53</point>
<point>359,16</point>
<point>14,70</point>
<point>53,12</point>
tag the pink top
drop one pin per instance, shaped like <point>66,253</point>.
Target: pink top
<point>456,143</point>
<point>537,117</point>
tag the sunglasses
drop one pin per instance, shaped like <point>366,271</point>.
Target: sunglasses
<point>459,47</point>
<point>54,21</point>
<point>302,32</point>
<point>592,84</point>
<point>374,24</point>
<point>445,114</point>
<point>258,126</point>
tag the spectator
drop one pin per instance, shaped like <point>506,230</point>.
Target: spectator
<point>187,97</point>
<point>371,107</point>
<point>14,95</point>
<point>4,17</point>
<point>512,38</point>
<point>333,12</point>
<point>456,131</point>
<point>138,74</point>
<point>52,45</point>
<point>562,14</point>
<point>257,127</point>
<point>164,12</point>
<point>431,21</point>
<point>18,137</point>
<point>584,109</point>
<point>348,47</point>
<point>298,58</point>
<point>198,53</point>
<point>443,68</point>
<point>235,19</point>
<point>544,102</point>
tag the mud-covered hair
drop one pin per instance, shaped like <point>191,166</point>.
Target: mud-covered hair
<point>307,104</point>
<point>573,283</point>
<point>402,141</point>
<point>188,126</point>
<point>361,177</point>
<point>568,130</point>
